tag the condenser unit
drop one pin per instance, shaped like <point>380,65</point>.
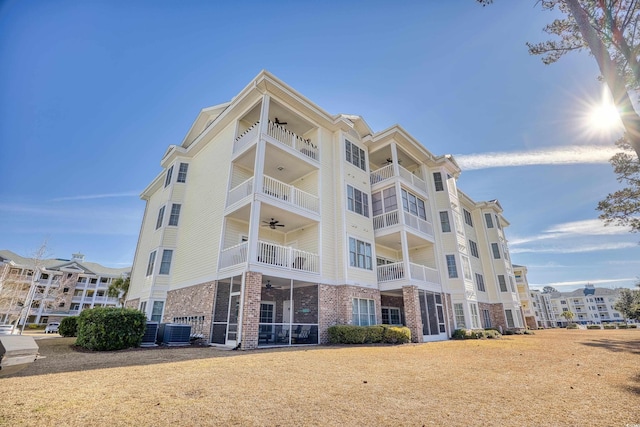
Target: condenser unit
<point>150,335</point>
<point>173,334</point>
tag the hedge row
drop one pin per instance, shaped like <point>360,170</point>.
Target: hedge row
<point>69,327</point>
<point>475,334</point>
<point>109,328</point>
<point>350,334</point>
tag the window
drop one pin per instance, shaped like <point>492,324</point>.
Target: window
<point>65,290</point>
<point>444,222</point>
<point>143,307</point>
<point>175,214</point>
<point>267,312</point>
<point>74,306</point>
<point>437,180</point>
<point>151,264</point>
<point>414,205</point>
<point>509,315</point>
<point>502,283</point>
<point>486,318</point>
<point>459,314</point>
<point>78,293</point>
<point>496,250</point>
<point>156,311</point>
<point>391,316</point>
<point>473,246</point>
<point>384,201</point>
<point>364,312</point>
<point>480,282</point>
<point>466,267</point>
<point>360,254</point>
<point>167,179</point>
<point>357,201</point>
<point>467,217</point>
<point>160,218</point>
<point>451,267</point>
<point>182,172</point>
<point>475,318</point>
<point>165,264</point>
<point>44,276</point>
<point>355,155</point>
<point>62,304</point>
<point>489,220</point>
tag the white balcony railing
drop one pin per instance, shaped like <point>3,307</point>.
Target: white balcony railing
<point>413,179</point>
<point>424,273</point>
<point>288,257</point>
<point>290,194</point>
<point>386,172</point>
<point>395,271</point>
<point>381,174</point>
<point>240,191</point>
<point>246,137</point>
<point>234,255</point>
<point>418,223</point>
<point>292,140</point>
<point>386,220</point>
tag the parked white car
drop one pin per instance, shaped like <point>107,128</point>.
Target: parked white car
<point>52,328</point>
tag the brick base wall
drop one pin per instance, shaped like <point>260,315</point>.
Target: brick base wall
<point>448,309</point>
<point>413,317</point>
<point>346,293</point>
<point>328,312</point>
<point>132,303</point>
<point>251,310</point>
<point>531,322</point>
<point>194,300</point>
<point>496,313</point>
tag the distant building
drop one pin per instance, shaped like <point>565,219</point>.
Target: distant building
<point>526,300</point>
<point>590,305</point>
<point>542,309</point>
<point>62,287</point>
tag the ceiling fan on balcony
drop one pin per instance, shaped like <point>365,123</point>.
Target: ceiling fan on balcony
<point>278,122</point>
<point>273,224</point>
<point>389,161</point>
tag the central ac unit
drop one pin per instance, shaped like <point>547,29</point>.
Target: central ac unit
<point>150,335</point>
<point>173,334</point>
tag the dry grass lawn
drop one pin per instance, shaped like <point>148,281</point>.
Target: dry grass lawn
<point>556,377</point>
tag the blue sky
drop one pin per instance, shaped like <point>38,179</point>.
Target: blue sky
<point>92,93</point>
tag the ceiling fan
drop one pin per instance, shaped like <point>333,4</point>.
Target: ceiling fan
<point>268,285</point>
<point>272,224</point>
<point>278,122</point>
<point>389,161</point>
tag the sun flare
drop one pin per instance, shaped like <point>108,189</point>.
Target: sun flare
<point>603,116</point>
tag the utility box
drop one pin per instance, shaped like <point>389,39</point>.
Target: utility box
<point>16,353</point>
<point>174,334</point>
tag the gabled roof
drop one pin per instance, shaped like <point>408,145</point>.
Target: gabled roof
<point>58,264</point>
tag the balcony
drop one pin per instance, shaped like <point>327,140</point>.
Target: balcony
<point>386,172</point>
<point>392,218</point>
<point>280,134</point>
<point>278,190</point>
<point>284,257</point>
<point>395,271</point>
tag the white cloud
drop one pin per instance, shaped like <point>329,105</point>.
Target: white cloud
<point>572,154</point>
<point>564,231</point>
<point>97,196</point>
<point>576,249</point>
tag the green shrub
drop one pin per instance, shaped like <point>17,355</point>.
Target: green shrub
<point>350,334</point>
<point>396,334</point>
<point>69,327</point>
<point>529,332</point>
<point>572,326</point>
<point>509,332</point>
<point>632,326</point>
<point>593,327</point>
<point>608,326</point>
<point>459,334</point>
<point>492,334</point>
<point>622,326</point>
<point>33,326</point>
<point>109,328</point>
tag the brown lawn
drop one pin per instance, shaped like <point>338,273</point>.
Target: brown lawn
<point>555,377</point>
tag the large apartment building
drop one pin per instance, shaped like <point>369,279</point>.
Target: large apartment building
<point>56,287</point>
<point>274,220</point>
<point>589,305</point>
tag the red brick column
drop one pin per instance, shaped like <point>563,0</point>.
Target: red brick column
<point>412,315</point>
<point>251,310</point>
<point>328,310</point>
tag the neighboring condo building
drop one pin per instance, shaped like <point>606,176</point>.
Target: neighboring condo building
<point>590,305</point>
<point>274,220</point>
<point>528,307</point>
<point>542,309</point>
<point>61,287</point>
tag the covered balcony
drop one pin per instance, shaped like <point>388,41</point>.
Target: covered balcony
<point>416,272</point>
<point>284,128</point>
<point>273,255</point>
<point>282,192</point>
